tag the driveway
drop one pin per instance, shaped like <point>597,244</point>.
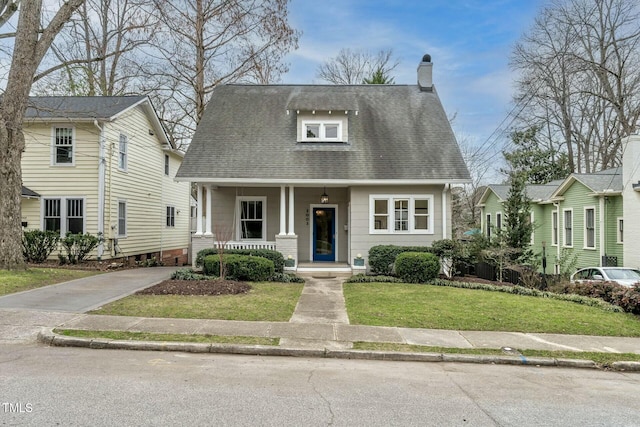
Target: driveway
<point>81,295</point>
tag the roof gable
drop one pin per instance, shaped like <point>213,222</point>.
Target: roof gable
<point>606,181</point>
<point>396,132</point>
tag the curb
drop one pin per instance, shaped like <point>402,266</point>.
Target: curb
<point>50,338</point>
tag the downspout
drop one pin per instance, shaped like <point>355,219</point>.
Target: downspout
<point>101,187</point>
<point>444,210</point>
<point>601,224</point>
<point>560,234</point>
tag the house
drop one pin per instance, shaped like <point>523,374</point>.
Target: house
<point>578,218</point>
<point>321,173</point>
<point>630,234</point>
<point>104,165</point>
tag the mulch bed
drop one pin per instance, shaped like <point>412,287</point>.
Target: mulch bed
<point>197,287</point>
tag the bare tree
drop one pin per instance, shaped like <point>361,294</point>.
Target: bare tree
<point>100,53</point>
<point>351,67</point>
<point>580,79</point>
<point>205,43</point>
<point>31,43</point>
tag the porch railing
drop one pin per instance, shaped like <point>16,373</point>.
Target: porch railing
<point>246,245</point>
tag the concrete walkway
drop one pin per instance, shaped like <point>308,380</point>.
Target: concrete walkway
<point>319,324</point>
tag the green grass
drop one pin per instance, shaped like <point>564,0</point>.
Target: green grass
<point>270,302</point>
<point>603,359</point>
<point>18,281</point>
<point>149,336</point>
<point>440,307</point>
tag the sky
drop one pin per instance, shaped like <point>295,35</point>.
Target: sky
<point>469,41</point>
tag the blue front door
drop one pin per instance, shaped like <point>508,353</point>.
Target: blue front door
<point>324,234</point>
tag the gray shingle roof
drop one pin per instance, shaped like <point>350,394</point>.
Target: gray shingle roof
<point>398,133</point>
<point>609,179</point>
<point>27,192</point>
<point>533,191</point>
<point>78,107</point>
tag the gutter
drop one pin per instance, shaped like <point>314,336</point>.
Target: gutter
<point>101,187</point>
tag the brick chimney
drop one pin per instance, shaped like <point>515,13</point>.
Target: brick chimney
<point>425,74</point>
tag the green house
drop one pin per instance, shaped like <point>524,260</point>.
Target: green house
<point>578,218</point>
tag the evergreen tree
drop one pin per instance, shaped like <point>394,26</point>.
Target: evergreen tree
<point>378,77</point>
<point>517,211</point>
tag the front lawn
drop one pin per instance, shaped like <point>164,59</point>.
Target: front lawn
<point>441,307</point>
<point>269,302</point>
<point>18,281</point>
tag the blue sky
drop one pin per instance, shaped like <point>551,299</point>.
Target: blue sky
<point>469,42</point>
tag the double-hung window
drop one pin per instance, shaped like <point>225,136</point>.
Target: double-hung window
<point>488,225</point>
<point>252,218</point>
<point>498,220</point>
<point>590,228</point>
<point>64,215</point>
<point>401,214</point>
<point>171,216</point>
<point>122,152</point>
<point>63,146</point>
<point>620,230</point>
<point>166,164</point>
<point>568,228</point>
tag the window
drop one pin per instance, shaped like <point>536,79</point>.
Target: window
<point>171,216</point>
<point>533,227</point>
<point>318,131</point>
<point>122,219</point>
<point>64,215</point>
<point>554,228</point>
<point>499,220</point>
<point>568,227</point>
<point>166,164</point>
<point>590,228</point>
<point>252,218</point>
<point>401,214</point>
<point>488,225</point>
<point>620,230</point>
<point>63,143</point>
<point>122,152</point>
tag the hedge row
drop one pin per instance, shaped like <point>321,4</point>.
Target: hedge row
<point>240,267</point>
<point>417,267</point>
<point>383,257</point>
<point>274,256</point>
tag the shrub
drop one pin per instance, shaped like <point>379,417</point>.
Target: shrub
<point>363,278</point>
<point>286,278</point>
<point>383,257</point>
<point>78,246</point>
<point>417,267</point>
<point>275,256</point>
<point>240,267</point>
<point>628,299</point>
<point>187,274</point>
<point>624,297</point>
<point>37,245</point>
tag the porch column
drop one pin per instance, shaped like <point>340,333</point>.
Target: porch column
<point>601,237</point>
<point>199,211</point>
<point>208,211</point>
<point>291,212</point>
<point>283,212</point>
<point>444,211</point>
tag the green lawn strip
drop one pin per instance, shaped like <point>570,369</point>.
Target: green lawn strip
<point>442,307</point>
<point>149,336</point>
<point>269,302</point>
<point>18,281</point>
<point>604,359</point>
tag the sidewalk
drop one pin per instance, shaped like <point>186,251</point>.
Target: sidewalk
<point>318,327</point>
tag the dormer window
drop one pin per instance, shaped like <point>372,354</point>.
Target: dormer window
<point>321,131</point>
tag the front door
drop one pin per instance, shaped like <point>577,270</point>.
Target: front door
<point>324,234</point>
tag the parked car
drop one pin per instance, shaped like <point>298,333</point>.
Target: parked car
<point>621,275</point>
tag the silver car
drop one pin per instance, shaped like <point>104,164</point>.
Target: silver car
<point>621,275</point>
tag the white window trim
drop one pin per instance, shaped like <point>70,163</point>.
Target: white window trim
<point>126,152</point>
<point>322,137</point>
<point>239,200</point>
<point>557,223</point>
<point>487,226</point>
<point>167,165</point>
<point>499,214</point>
<point>564,229</point>
<point>584,229</point>
<point>126,223</point>
<point>390,198</point>
<point>167,216</point>
<point>63,212</point>
<point>53,145</point>
<point>618,234</point>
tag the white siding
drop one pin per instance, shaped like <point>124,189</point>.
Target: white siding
<point>631,202</point>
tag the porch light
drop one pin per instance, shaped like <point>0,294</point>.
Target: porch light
<point>324,198</point>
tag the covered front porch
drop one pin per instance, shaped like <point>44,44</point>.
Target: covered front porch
<point>308,225</point>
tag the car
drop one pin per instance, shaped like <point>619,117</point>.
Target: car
<point>624,276</point>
